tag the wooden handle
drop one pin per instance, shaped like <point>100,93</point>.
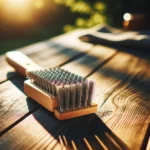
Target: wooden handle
<point>20,62</point>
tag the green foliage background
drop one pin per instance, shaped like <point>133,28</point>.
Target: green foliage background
<point>92,12</point>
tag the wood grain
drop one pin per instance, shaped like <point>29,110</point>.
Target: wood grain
<point>48,126</point>
<point>126,108</point>
<point>112,75</point>
<point>61,49</point>
<point>41,120</point>
<point>92,60</point>
<point>14,104</point>
<point>45,141</point>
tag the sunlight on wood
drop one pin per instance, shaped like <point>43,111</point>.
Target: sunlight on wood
<point>73,145</point>
<point>101,143</point>
<point>113,141</point>
<point>87,144</point>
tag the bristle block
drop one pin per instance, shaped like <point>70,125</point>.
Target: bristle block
<point>72,91</point>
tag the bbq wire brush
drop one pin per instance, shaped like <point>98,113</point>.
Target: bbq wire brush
<point>66,94</point>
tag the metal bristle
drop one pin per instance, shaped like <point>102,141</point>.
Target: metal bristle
<point>91,89</point>
<point>60,96</point>
<point>79,94</point>
<point>71,90</point>
<point>73,95</point>
<point>67,96</point>
<point>86,92</point>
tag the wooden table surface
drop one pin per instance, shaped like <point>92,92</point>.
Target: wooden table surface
<point>122,93</point>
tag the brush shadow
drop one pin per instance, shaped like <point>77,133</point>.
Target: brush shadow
<point>78,128</point>
<point>74,129</point>
<point>18,81</point>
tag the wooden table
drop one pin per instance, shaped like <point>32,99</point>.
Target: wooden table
<point>122,93</point>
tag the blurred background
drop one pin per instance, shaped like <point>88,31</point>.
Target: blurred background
<point>23,22</point>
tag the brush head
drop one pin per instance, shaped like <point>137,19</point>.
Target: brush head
<point>72,91</point>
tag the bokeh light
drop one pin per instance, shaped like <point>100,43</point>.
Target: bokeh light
<point>127,16</point>
<point>39,4</point>
<point>17,10</point>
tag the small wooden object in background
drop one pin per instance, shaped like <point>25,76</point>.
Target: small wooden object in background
<point>22,63</point>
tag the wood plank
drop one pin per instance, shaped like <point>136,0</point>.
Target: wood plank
<point>69,39</point>
<point>43,124</point>
<point>49,53</point>
<point>92,60</point>
<point>125,86</point>
<point>61,49</point>
<point>125,111</point>
<point>112,75</point>
<point>14,104</point>
<point>23,135</point>
<point>143,141</point>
